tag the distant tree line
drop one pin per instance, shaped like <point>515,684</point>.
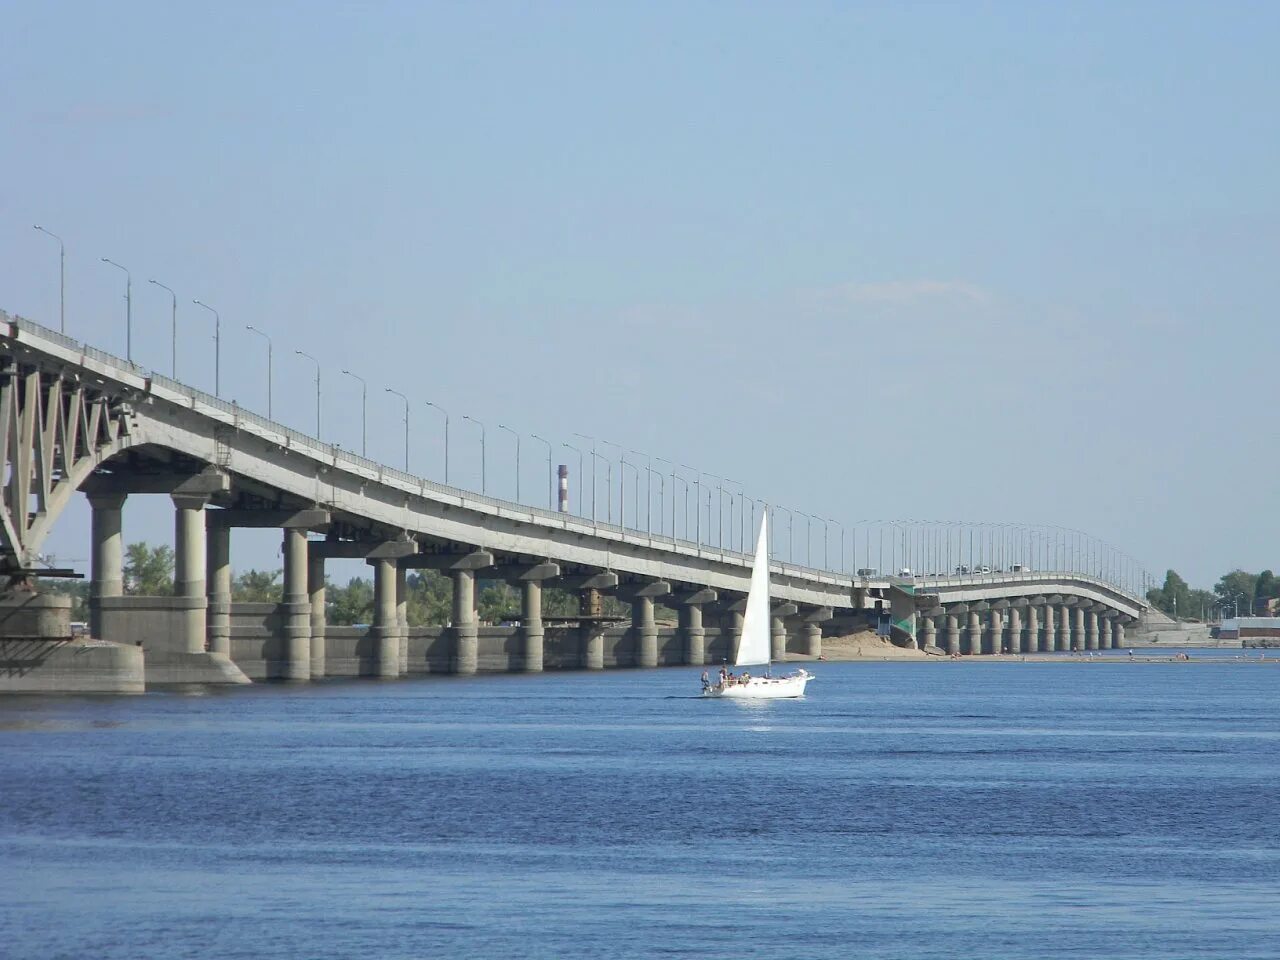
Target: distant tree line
<point>1238,590</point>
<point>148,572</point>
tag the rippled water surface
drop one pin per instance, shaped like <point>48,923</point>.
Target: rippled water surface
<point>941,810</point>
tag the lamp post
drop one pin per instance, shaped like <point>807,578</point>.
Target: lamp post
<point>593,473</point>
<point>648,493</point>
<point>254,329</point>
<point>503,426</point>
<point>790,518</point>
<point>483,488</point>
<point>808,538</point>
<point>676,477</point>
<point>635,495</point>
<point>662,491</point>
<point>622,484</point>
<point>128,309</point>
<point>840,527</point>
<point>317,363</point>
<point>364,412</point>
<point>217,349</point>
<point>697,502</point>
<point>406,424</point>
<point>173,363</point>
<point>62,278</point>
<point>436,406</point>
<point>580,474</point>
<point>551,481</point>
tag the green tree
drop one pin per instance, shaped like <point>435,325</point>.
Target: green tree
<point>351,604</point>
<point>257,586</point>
<point>429,597</point>
<point>148,571</point>
<point>497,602</point>
<point>1174,598</point>
<point>1238,585</point>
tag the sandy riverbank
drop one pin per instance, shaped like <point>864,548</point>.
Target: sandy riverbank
<point>865,645</point>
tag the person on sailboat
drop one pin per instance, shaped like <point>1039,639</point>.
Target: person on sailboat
<point>706,681</point>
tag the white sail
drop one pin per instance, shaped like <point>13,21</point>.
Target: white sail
<point>753,646</point>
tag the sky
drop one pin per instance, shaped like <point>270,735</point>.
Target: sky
<point>948,261</point>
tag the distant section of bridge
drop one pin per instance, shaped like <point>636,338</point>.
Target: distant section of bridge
<point>76,419</point>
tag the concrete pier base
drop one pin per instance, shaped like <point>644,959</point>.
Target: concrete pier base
<point>70,666</point>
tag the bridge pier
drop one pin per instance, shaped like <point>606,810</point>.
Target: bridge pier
<point>996,631</point>
<point>1064,633</point>
<point>1077,630</point>
<point>951,632</point>
<point>402,621</point>
<point>1033,628</point>
<point>106,573</point>
<point>189,570</point>
<point>466,632</point>
<point>1091,630</point>
<point>1117,634</point>
<point>1104,633</point>
<point>1015,629</point>
<point>974,631</point>
<point>590,605</point>
<point>778,630</point>
<point>1049,643</point>
<point>929,629</point>
<point>316,598</point>
<point>385,629</point>
<point>689,604</point>
<point>530,578</point>
<point>218,577</point>
<point>813,621</point>
<point>644,631</point>
<point>295,665</point>
<point>731,617</point>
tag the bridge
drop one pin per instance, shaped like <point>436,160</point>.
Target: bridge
<point>74,419</point>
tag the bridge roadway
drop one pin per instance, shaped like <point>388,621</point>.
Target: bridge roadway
<point>73,418</point>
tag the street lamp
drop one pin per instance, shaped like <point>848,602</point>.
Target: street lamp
<point>317,363</point>
<point>697,503</point>
<point>436,406</point>
<point>62,277</point>
<point>662,490</point>
<point>217,348</point>
<point>173,368</point>
<point>253,329</point>
<point>790,518</point>
<point>482,453</point>
<point>551,480</point>
<point>128,309</point>
<point>622,483</point>
<point>648,493</point>
<point>406,424</point>
<point>503,426</point>
<point>593,473</point>
<point>364,413</point>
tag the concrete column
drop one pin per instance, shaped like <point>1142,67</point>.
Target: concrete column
<point>402,622</point>
<point>644,631</point>
<point>731,627</point>
<point>188,569</point>
<point>929,630</point>
<point>531,626</point>
<point>1033,629</point>
<point>996,631</point>
<point>777,639</point>
<point>466,645</point>
<point>218,583</point>
<point>1015,630</point>
<point>1050,641</point>
<point>296,663</point>
<point>812,638</point>
<point>1091,630</point>
<point>385,630</point>
<point>695,637</point>
<point>1104,633</point>
<point>106,573</point>
<point>315,596</point>
<point>1064,630</point>
<point>975,633</point>
<point>1117,634</point>
<point>1077,630</point>
<point>589,604</point>
<point>951,634</point>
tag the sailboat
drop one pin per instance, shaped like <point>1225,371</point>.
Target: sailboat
<point>754,644</point>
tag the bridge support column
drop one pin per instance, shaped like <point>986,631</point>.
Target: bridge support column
<point>218,574</point>
<point>813,621</point>
<point>731,627</point>
<point>996,632</point>
<point>296,663</point>
<point>315,597</point>
<point>689,606</point>
<point>1050,641</point>
<point>930,631</point>
<point>1104,633</point>
<point>385,630</point>
<point>975,633</point>
<point>402,622</point>
<point>1077,630</point>
<point>1091,630</point>
<point>531,626</point>
<point>1015,630</point>
<point>189,557</point>
<point>1033,629</point>
<point>1064,632</point>
<point>644,632</point>
<point>466,644</point>
<point>106,575</point>
<point>1117,634</point>
<point>591,605</point>
<point>951,634</point>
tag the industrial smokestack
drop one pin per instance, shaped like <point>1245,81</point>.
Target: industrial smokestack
<point>563,473</point>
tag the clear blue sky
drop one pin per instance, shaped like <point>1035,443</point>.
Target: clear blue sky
<point>954,261</point>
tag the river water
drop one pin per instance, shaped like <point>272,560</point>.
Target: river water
<point>920,810</point>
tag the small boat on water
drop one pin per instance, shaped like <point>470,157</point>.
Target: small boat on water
<point>754,644</point>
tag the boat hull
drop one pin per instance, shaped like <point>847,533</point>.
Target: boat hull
<point>763,688</point>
